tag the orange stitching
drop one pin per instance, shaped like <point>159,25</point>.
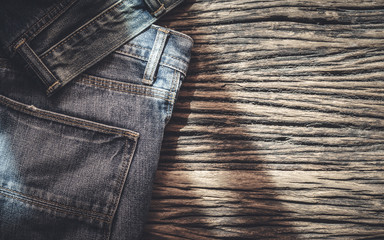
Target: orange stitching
<point>18,44</point>
<point>126,91</point>
<point>52,86</point>
<point>65,119</point>
<point>126,85</point>
<point>133,88</point>
<point>82,29</point>
<point>147,81</point>
<point>158,10</point>
<point>119,89</point>
<point>163,30</point>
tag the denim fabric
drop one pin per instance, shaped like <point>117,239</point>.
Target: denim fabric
<point>80,164</point>
<point>59,39</point>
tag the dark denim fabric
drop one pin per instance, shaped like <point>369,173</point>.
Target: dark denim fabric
<point>80,164</point>
<point>59,39</point>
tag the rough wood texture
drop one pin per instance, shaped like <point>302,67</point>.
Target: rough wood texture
<point>279,128</point>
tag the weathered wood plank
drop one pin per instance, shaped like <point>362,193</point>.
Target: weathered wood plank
<point>279,128</point>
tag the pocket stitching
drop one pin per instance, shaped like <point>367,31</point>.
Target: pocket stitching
<point>72,121</point>
<point>127,87</point>
<point>121,179</point>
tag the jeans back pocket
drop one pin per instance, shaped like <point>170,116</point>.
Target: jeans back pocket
<point>65,165</point>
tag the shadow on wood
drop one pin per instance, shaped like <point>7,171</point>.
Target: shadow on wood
<point>218,189</point>
<point>278,132</point>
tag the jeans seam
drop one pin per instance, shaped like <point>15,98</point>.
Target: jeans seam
<point>127,91</point>
<point>81,29</point>
<point>173,89</point>
<point>118,183</point>
<point>130,55</point>
<point>52,87</point>
<point>120,179</point>
<point>144,59</point>
<point>159,9</point>
<point>174,81</point>
<point>123,176</point>
<point>175,33</point>
<point>35,69</point>
<point>126,87</point>
<point>135,87</point>
<point>155,55</point>
<point>66,119</point>
<point>82,69</point>
<point>54,206</point>
<point>144,48</point>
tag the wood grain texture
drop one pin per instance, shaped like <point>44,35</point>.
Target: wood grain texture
<point>278,132</point>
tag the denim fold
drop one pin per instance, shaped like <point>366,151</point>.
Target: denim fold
<point>58,40</point>
<point>78,159</point>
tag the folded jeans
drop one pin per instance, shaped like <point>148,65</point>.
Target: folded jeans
<point>80,164</point>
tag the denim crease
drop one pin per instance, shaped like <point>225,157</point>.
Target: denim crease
<point>57,40</point>
<point>80,163</point>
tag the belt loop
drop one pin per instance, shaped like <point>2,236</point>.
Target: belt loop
<point>155,56</point>
<point>35,63</point>
<point>157,7</point>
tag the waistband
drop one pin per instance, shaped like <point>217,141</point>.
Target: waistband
<point>61,41</point>
<point>172,48</point>
<point>156,60</point>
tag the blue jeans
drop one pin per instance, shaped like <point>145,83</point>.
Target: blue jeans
<point>80,164</point>
<point>60,39</point>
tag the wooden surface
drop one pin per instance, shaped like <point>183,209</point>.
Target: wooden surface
<point>278,132</point>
